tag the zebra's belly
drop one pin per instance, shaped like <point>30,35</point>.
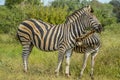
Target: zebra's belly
<point>82,49</point>
<point>79,49</point>
<point>48,49</point>
<point>44,46</point>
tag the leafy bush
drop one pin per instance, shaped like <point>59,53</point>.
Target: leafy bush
<point>4,19</point>
<point>104,13</point>
<point>11,18</point>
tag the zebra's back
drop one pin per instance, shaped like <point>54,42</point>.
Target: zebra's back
<point>40,34</point>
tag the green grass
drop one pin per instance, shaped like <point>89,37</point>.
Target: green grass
<point>42,64</point>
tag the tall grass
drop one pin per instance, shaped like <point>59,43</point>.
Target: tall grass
<point>42,64</point>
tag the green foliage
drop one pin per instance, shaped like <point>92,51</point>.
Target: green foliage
<point>3,19</point>
<point>116,9</point>
<point>72,5</point>
<point>33,2</point>
<point>104,12</point>
<point>9,19</point>
<point>47,14</point>
<point>10,3</point>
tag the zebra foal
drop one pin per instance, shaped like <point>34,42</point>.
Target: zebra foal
<point>88,44</point>
<point>60,37</point>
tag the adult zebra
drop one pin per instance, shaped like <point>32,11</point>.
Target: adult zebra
<point>88,43</point>
<point>49,37</point>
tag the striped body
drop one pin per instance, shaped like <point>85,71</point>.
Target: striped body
<point>42,35</point>
<point>89,44</point>
<point>60,37</point>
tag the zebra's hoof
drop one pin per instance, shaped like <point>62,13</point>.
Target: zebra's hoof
<point>92,78</point>
<point>25,71</point>
<point>67,75</point>
<point>91,75</point>
<point>78,78</point>
<point>56,74</point>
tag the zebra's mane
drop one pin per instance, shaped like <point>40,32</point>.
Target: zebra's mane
<point>79,12</point>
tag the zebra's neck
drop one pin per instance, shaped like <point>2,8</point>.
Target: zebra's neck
<point>77,29</point>
<point>76,15</point>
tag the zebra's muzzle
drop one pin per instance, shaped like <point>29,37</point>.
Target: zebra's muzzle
<point>98,28</point>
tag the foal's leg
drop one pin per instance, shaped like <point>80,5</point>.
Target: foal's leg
<point>27,48</point>
<point>84,63</point>
<point>93,55</point>
<point>68,55</point>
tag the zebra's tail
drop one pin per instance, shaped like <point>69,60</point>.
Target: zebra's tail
<point>17,36</point>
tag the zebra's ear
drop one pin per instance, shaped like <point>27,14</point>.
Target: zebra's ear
<point>90,8</point>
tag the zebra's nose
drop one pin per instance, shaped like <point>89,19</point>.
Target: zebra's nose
<point>98,28</point>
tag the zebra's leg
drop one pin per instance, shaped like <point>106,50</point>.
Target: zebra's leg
<point>93,55</point>
<point>84,63</point>
<point>61,67</point>
<point>27,48</point>
<point>68,55</point>
<point>60,60</point>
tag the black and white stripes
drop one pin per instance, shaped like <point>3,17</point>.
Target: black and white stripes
<point>50,37</point>
<point>89,44</point>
